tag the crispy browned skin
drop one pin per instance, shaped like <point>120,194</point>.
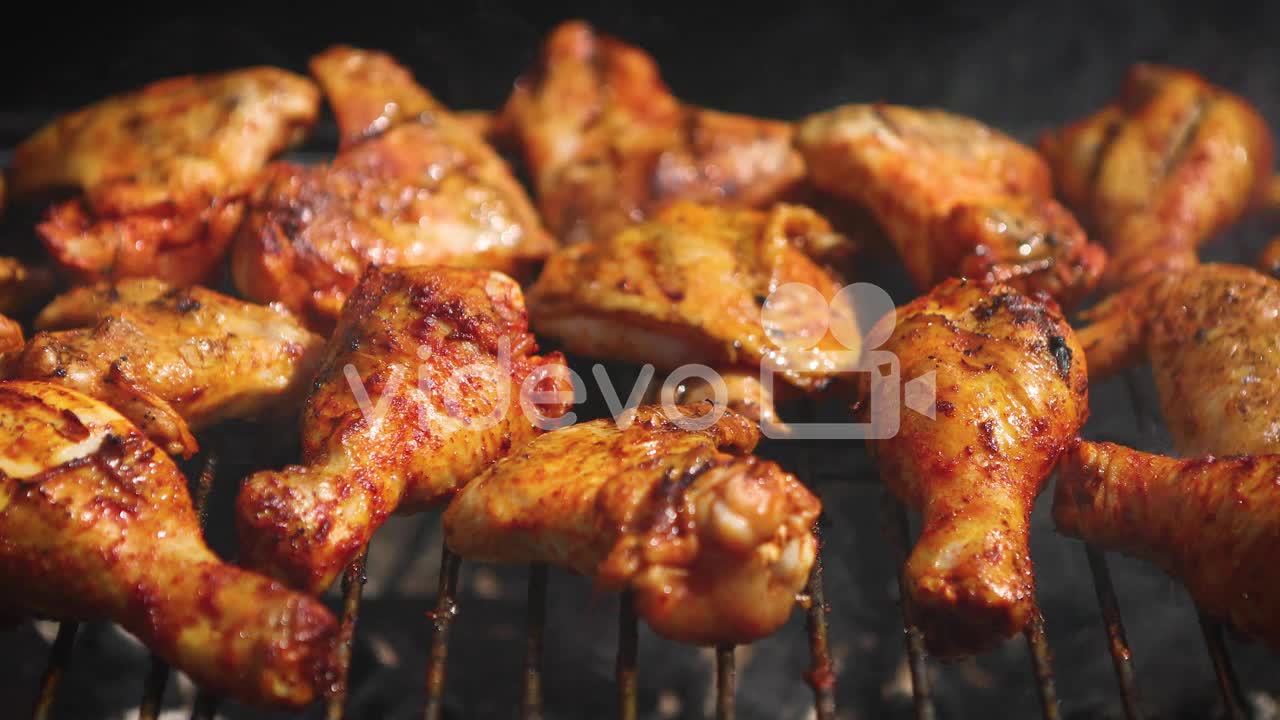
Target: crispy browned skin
<point>173,360</point>
<point>1162,169</point>
<point>714,543</point>
<point>1012,392</point>
<point>162,170</point>
<point>957,198</point>
<point>1213,523</point>
<point>23,285</point>
<point>96,523</point>
<point>607,144</point>
<point>412,185</point>
<point>441,355</point>
<point>1212,335</point>
<point>687,287</point>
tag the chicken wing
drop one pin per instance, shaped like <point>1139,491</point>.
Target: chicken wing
<point>1162,169</point>
<point>412,185</point>
<point>957,198</point>
<point>1213,522</point>
<point>714,543</point>
<point>1011,393</point>
<point>1212,335</point>
<point>423,385</point>
<point>173,360</point>
<point>96,523</point>
<point>162,170</point>
<point>22,285</point>
<point>10,341</point>
<point>607,144</point>
<point>690,286</point>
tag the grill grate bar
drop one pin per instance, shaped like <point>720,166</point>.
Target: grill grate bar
<point>1042,665</point>
<point>59,659</point>
<point>1121,656</point>
<point>726,682</point>
<point>821,675</point>
<point>1228,683</point>
<point>895,520</point>
<point>535,623</point>
<point>153,689</point>
<point>441,620</point>
<point>353,580</point>
<point>628,642</point>
<point>158,670</point>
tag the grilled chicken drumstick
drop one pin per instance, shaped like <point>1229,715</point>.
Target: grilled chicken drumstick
<point>96,523</point>
<point>163,171</point>
<point>1210,334</point>
<point>957,198</point>
<point>689,286</point>
<point>714,543</point>
<point>411,185</point>
<point>1157,173</point>
<point>607,144</point>
<point>419,391</point>
<point>1213,522</point>
<point>172,360</point>
<point>1011,394</point>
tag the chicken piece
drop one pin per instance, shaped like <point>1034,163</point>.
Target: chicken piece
<point>173,360</point>
<point>22,285</point>
<point>957,198</point>
<point>1012,392</point>
<point>10,344</point>
<point>690,286</point>
<point>1161,170</point>
<point>607,144</point>
<point>1212,335</point>
<point>1212,522</point>
<point>412,185</point>
<point>162,170</point>
<point>1269,258</point>
<point>96,524</point>
<point>427,380</point>
<point>713,542</point>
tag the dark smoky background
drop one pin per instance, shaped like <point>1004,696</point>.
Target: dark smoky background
<point>1020,67</point>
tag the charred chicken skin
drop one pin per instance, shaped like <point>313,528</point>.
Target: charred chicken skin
<point>957,198</point>
<point>607,144</point>
<point>96,524</point>
<point>163,171</point>
<point>1011,394</point>
<point>1212,522</point>
<point>714,543</point>
<point>411,185</point>
<point>172,360</point>
<point>421,388</point>
<point>690,286</point>
<point>1212,336</point>
<point>1161,170</point>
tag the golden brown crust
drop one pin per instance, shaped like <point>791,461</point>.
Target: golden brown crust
<point>412,185</point>
<point>173,360</point>
<point>957,198</point>
<point>1011,393</point>
<point>438,356</point>
<point>714,543</point>
<point>1213,523</point>
<point>689,286</point>
<point>160,169</point>
<point>1162,169</point>
<point>96,523</point>
<point>1210,334</point>
<point>607,144</point>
